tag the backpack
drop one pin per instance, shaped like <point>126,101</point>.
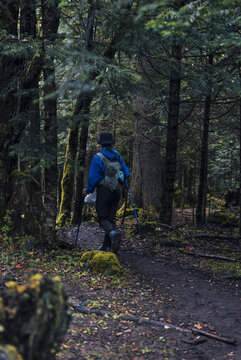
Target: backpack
<point>113,173</point>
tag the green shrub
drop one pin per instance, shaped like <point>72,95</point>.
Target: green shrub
<point>223,219</point>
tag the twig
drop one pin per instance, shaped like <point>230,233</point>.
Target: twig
<point>194,342</point>
<point>209,256</point>
<point>230,277</point>
<point>216,337</point>
<point>85,310</point>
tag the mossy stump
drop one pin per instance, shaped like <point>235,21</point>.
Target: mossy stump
<point>101,262</point>
<point>34,317</point>
<point>9,352</point>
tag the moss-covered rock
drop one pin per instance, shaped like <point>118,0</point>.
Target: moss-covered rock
<point>147,227</point>
<point>9,352</point>
<point>223,219</point>
<point>34,317</point>
<point>101,262</point>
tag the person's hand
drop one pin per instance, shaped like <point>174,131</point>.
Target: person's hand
<point>84,193</point>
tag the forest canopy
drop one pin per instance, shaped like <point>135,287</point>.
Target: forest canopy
<point>163,77</point>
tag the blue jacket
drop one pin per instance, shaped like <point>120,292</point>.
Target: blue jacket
<point>97,167</point>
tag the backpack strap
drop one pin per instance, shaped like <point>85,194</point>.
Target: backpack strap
<point>101,156</point>
<point>104,158</point>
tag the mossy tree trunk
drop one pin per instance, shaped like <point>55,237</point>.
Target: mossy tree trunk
<point>68,178</point>
<point>50,23</point>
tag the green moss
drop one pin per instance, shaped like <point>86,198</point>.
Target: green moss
<point>9,352</point>
<point>67,185</point>
<point>34,316</point>
<point>147,227</point>
<point>23,175</point>
<point>101,262</point>
<point>129,212</point>
<point>223,219</point>
<point>224,268</point>
<point>63,219</point>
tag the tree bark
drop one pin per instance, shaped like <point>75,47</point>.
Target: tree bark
<point>146,180</point>
<point>8,107</point>
<point>203,177</point>
<point>240,156</point>
<point>172,134</point>
<point>50,23</point>
<point>29,184</point>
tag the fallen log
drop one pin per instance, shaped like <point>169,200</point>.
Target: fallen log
<point>141,320</point>
<point>210,256</point>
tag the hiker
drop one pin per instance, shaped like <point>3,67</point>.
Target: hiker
<point>107,173</point>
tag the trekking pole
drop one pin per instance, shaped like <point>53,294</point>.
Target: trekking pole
<point>139,227</point>
<point>80,219</point>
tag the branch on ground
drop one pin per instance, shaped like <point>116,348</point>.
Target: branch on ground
<point>85,310</point>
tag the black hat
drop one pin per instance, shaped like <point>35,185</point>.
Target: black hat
<point>105,138</point>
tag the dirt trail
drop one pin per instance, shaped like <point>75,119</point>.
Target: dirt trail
<point>196,298</point>
<point>192,298</point>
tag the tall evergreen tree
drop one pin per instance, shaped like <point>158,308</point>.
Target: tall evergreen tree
<point>50,23</point>
<point>8,106</point>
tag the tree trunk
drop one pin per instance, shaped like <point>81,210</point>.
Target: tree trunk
<point>80,163</point>
<point>203,177</point>
<point>240,156</point>
<point>146,180</point>
<point>50,22</point>
<point>172,134</point>
<point>8,107</point>
<point>29,190</point>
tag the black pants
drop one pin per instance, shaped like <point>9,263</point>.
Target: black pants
<point>106,207</point>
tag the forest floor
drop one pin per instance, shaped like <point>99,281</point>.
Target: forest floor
<point>163,280</point>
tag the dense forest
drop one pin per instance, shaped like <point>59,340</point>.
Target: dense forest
<point>163,77</point>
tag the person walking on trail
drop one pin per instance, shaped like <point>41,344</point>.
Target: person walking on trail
<point>107,173</point>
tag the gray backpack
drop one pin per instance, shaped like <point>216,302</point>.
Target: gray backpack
<point>112,173</point>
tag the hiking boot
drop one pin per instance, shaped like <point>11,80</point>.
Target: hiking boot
<point>106,246</point>
<point>115,238</point>
<point>102,247</point>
